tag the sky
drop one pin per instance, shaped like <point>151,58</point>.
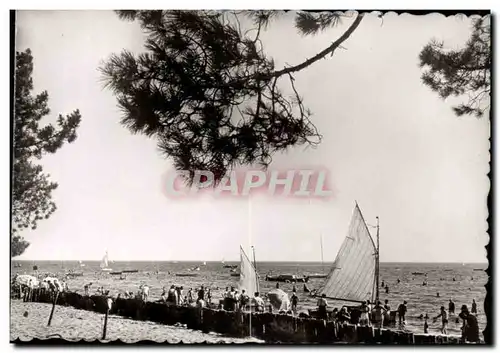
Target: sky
<point>389,143</point>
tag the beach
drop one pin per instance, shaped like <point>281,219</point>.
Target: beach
<point>73,324</point>
<point>469,284</point>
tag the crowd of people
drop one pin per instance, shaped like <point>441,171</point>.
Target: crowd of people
<point>470,327</point>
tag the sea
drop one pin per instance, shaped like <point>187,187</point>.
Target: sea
<point>460,282</point>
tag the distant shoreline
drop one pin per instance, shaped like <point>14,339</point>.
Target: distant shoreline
<point>262,262</point>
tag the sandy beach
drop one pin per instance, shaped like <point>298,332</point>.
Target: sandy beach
<point>72,324</point>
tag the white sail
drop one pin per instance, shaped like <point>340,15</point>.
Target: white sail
<point>248,275</point>
<point>104,263</point>
<point>352,277</point>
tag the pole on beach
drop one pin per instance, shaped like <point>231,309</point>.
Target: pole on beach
<point>377,268</point>
<point>105,324</point>
<point>53,308</point>
<point>110,304</point>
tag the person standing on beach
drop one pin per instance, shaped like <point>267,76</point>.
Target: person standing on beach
<point>190,296</point>
<point>201,293</point>
<point>402,309</point>
<point>451,307</point>
<point>470,328</point>
<point>364,319</point>
<point>86,288</point>
<point>322,305</point>
<point>343,316</point>
<point>473,307</point>
<point>244,300</point>
<point>444,320</point>
<point>378,315</point>
<point>294,300</point>
<point>172,295</point>
<point>209,296</point>
<point>426,324</point>
<point>258,302</point>
<point>232,299</point>
<point>180,298</point>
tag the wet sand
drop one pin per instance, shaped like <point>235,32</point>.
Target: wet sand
<point>73,324</point>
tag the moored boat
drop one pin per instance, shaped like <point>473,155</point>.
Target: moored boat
<point>116,272</point>
<point>317,275</point>
<point>230,266</point>
<point>354,276</point>
<point>130,271</point>
<point>74,274</point>
<point>104,263</point>
<point>287,278</point>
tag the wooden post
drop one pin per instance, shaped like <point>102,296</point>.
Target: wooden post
<point>53,308</point>
<point>105,324</point>
<point>110,305</point>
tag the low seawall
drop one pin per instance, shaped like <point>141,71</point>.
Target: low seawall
<point>273,328</point>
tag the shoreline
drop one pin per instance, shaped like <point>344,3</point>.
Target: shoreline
<point>75,325</point>
<point>269,328</point>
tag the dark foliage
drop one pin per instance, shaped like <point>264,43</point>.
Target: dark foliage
<point>311,23</point>
<point>461,72</point>
<point>206,91</point>
<point>32,190</point>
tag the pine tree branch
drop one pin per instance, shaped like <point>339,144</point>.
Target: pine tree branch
<point>322,53</point>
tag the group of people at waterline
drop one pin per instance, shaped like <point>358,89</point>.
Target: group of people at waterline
<point>232,299</point>
<point>374,314</point>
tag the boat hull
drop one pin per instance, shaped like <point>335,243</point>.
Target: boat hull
<point>317,275</point>
<point>116,273</point>
<point>286,278</point>
<point>74,274</point>
<point>186,274</point>
<point>130,271</point>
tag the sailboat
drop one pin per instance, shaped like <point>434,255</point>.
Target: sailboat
<point>249,279</point>
<point>104,263</point>
<point>354,276</point>
<point>81,263</point>
<point>320,275</point>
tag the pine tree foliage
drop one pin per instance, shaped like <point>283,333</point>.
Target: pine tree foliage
<point>310,23</point>
<point>463,72</point>
<point>206,91</point>
<point>31,188</point>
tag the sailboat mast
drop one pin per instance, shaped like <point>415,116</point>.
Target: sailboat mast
<point>377,264</point>
<point>322,262</point>
<point>255,267</point>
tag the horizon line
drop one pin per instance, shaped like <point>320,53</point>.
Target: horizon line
<point>269,261</point>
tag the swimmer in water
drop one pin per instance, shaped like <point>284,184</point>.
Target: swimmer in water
<point>437,295</point>
<point>474,307</point>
